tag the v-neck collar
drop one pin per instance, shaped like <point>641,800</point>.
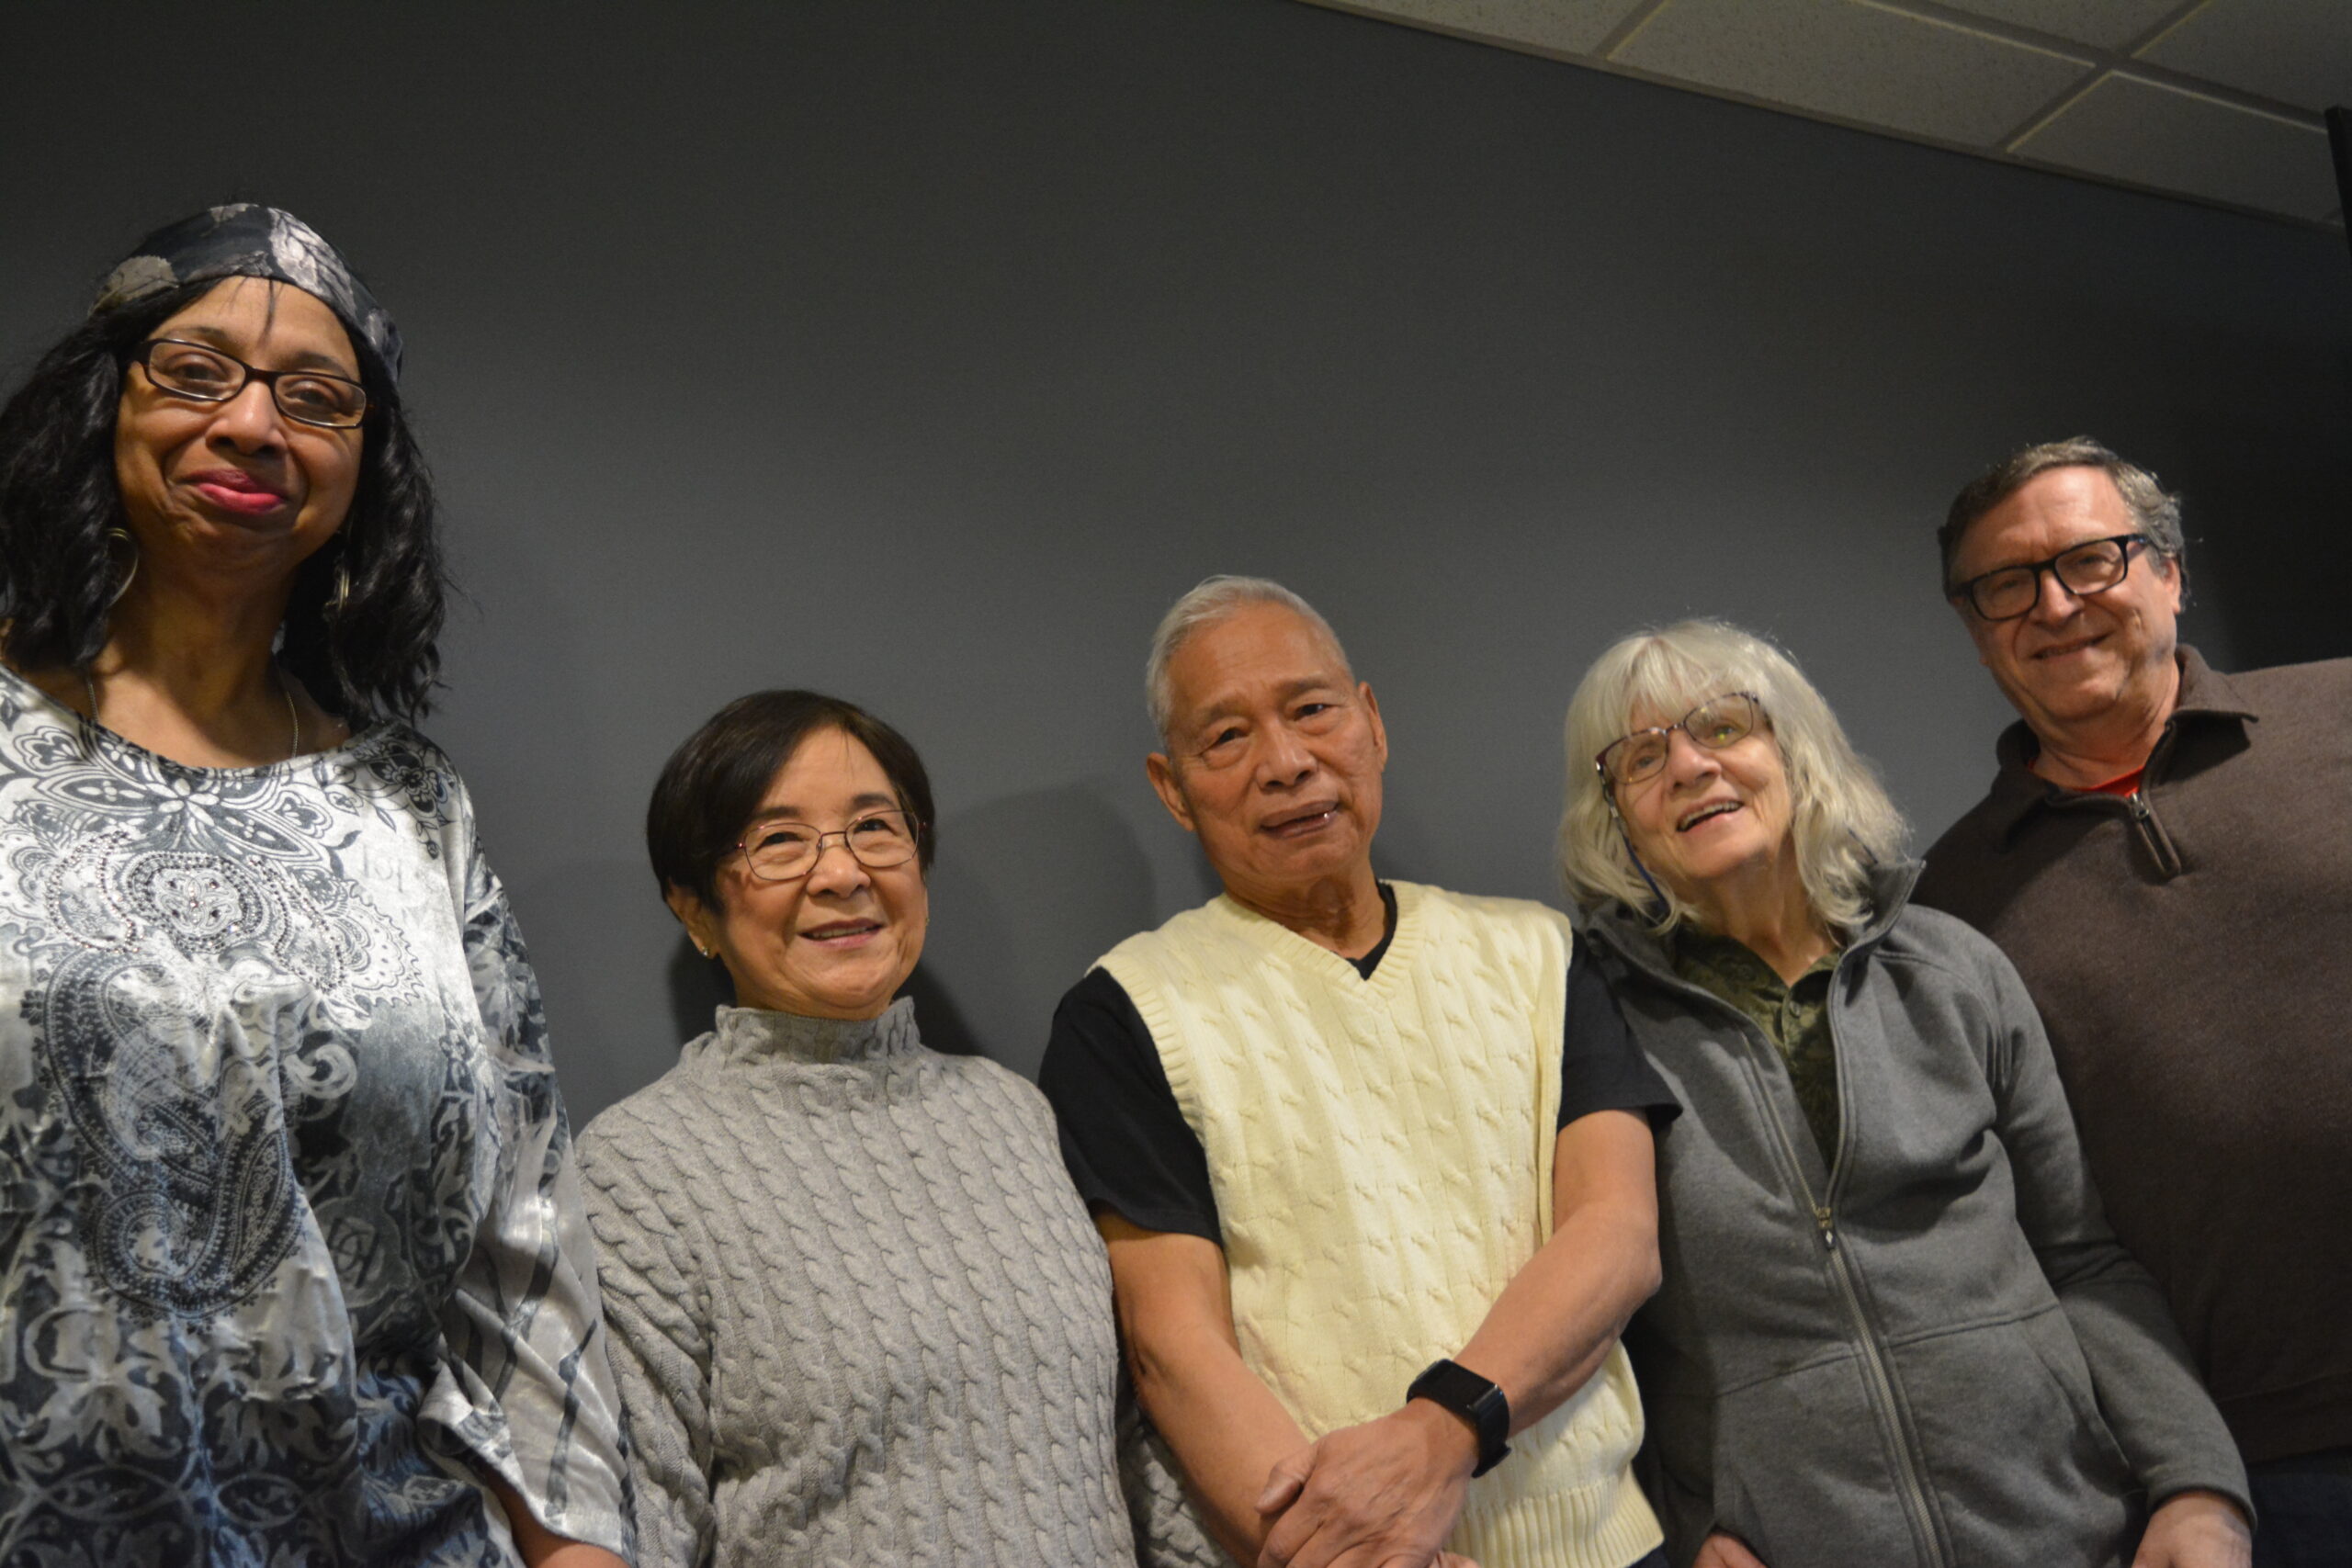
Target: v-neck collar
<point>1278,942</point>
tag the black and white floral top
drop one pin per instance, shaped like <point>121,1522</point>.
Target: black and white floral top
<point>290,1242</point>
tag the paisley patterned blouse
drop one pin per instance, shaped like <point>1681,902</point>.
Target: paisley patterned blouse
<point>290,1242</point>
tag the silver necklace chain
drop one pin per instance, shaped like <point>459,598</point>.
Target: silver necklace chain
<point>293,714</point>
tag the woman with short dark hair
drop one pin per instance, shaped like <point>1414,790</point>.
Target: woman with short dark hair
<point>292,1253</point>
<point>859,1312</point>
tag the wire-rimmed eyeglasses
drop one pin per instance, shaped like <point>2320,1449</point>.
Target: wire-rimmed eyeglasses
<point>1715,723</point>
<point>784,851</point>
<point>207,376</point>
<point>2091,567</point>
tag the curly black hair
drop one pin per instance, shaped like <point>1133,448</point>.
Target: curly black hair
<point>375,657</point>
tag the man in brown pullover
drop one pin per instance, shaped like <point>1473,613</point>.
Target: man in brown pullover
<point>2166,856</point>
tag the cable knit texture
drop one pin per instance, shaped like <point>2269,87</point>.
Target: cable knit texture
<point>1381,1152</point>
<point>860,1316</point>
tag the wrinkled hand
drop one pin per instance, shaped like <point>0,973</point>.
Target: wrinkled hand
<point>2195,1530</point>
<point>1721,1551</point>
<point>1382,1494</point>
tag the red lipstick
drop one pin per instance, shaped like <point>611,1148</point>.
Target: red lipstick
<point>233,489</point>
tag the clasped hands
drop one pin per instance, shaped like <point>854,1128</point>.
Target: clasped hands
<point>1381,1495</point>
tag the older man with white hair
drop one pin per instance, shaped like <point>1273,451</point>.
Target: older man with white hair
<point>1373,1159</point>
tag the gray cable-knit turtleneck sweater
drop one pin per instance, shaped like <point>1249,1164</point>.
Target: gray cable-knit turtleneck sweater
<point>860,1317</point>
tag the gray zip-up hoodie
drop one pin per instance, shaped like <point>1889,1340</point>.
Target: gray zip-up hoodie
<point>1930,1351</point>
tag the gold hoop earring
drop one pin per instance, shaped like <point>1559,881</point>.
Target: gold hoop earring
<point>342,594</point>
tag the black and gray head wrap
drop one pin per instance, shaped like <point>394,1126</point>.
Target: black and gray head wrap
<point>248,240</point>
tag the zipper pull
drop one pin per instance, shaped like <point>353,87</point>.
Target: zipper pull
<point>1828,1225</point>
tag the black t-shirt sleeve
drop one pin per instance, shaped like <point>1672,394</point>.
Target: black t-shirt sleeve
<point>1125,1141</point>
<point>1600,1067</point>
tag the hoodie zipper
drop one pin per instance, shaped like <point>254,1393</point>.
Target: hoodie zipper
<point>1824,1219</point>
<point>1880,1381</point>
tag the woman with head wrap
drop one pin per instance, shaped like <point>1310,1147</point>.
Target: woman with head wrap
<point>293,1258</point>
<point>1894,1328</point>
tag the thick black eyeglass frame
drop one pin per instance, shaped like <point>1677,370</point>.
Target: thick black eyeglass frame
<point>1600,758</point>
<point>914,839</point>
<point>146,354</point>
<point>1968,590</point>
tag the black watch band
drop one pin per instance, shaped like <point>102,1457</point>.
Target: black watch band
<point>1477,1400</point>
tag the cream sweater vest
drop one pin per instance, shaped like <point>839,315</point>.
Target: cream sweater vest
<point>1381,1153</point>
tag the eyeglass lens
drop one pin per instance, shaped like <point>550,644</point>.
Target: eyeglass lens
<point>2005,594</point>
<point>191,370</point>
<point>782,851</point>
<point>1714,724</point>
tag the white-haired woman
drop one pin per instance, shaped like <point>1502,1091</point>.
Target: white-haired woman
<point>1894,1328</point>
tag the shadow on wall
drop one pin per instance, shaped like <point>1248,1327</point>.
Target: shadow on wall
<point>1071,866</point>
<point>698,986</point>
<point>944,1028</point>
<point>598,940</point>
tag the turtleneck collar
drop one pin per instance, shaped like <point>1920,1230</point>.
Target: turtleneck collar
<point>744,1034</point>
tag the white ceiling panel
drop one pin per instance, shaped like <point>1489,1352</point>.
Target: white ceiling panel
<point>2213,100</point>
<point>1565,27</point>
<point>1854,60</point>
<point>2298,52</point>
<point>2110,24</point>
<point>2149,134</point>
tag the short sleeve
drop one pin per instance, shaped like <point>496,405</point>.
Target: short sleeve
<point>1124,1137</point>
<point>1600,1067</point>
<point>533,1398</point>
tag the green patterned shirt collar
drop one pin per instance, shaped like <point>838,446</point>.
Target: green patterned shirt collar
<point>1795,1019</point>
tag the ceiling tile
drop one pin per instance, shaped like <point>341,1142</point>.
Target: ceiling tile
<point>2125,128</point>
<point>2110,24</point>
<point>2298,52</point>
<point>1856,60</point>
<point>1567,27</point>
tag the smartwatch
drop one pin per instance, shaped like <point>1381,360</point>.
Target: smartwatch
<point>1477,1400</point>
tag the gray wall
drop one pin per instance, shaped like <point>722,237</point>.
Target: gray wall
<point>923,352</point>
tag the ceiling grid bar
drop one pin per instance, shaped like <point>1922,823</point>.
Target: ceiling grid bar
<point>2109,114</point>
<point>2053,109</point>
<point>2157,33</point>
<point>2124,59</point>
<point>1623,33</point>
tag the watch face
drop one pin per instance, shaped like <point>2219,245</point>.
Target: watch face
<point>1477,1400</point>
<point>1454,1386</point>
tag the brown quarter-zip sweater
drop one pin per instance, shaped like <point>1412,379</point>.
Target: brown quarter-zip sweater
<point>2190,949</point>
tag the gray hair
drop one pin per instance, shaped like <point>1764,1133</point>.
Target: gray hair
<point>2153,510</point>
<point>1215,599</point>
<point>1843,820</point>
